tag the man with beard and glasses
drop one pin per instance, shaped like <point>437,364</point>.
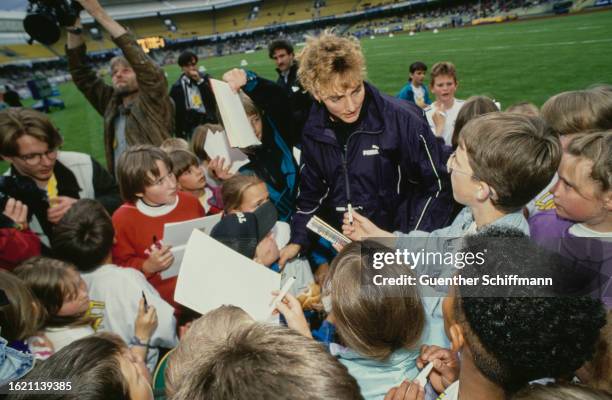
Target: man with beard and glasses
<point>136,107</point>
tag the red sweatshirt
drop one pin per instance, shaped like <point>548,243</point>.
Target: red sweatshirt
<point>135,230</point>
<point>17,246</point>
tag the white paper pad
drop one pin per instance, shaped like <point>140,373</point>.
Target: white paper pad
<point>176,234</point>
<point>212,275</point>
<point>217,145</point>
<point>237,126</point>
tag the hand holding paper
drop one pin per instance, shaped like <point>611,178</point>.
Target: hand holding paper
<point>237,126</point>
<point>218,149</point>
<point>236,78</point>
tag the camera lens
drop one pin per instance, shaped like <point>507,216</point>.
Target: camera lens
<point>42,28</point>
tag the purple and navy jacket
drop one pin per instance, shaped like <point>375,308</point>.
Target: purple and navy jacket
<point>394,165</point>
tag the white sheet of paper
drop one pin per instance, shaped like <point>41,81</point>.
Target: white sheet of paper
<point>237,126</point>
<point>212,274</point>
<point>176,234</point>
<point>178,252</point>
<point>217,145</point>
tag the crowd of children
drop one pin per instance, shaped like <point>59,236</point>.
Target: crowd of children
<point>531,188</point>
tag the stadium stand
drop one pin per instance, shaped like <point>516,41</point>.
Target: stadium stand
<point>193,24</point>
<point>338,7</point>
<point>211,31</point>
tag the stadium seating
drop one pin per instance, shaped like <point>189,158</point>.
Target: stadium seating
<point>231,19</point>
<point>298,11</point>
<point>338,7</point>
<point>272,12</point>
<point>146,26</point>
<point>193,24</point>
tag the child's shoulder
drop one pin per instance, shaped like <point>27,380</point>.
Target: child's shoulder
<point>126,209</point>
<point>187,202</point>
<point>115,273</point>
<point>187,198</point>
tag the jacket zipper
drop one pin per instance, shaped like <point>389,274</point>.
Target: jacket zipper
<point>347,186</point>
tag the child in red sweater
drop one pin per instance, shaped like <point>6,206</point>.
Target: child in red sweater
<point>149,189</point>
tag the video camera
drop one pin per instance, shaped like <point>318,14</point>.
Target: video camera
<point>23,189</point>
<point>44,18</point>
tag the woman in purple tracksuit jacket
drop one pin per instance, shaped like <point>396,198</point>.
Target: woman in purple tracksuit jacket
<point>363,149</point>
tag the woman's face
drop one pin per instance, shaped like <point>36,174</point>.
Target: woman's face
<point>138,386</point>
<point>345,105</point>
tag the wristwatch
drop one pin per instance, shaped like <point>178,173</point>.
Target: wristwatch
<point>75,30</point>
<point>137,342</point>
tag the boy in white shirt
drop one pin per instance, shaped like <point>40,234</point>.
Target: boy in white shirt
<point>441,115</point>
<point>84,237</point>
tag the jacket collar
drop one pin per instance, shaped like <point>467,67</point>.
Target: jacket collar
<point>292,71</point>
<point>317,126</point>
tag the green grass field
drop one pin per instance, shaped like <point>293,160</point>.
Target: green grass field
<point>512,62</point>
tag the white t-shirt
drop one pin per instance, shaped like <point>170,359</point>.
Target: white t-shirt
<point>118,291</point>
<point>61,337</point>
<point>419,95</point>
<point>281,232</point>
<point>449,124</point>
<point>579,230</point>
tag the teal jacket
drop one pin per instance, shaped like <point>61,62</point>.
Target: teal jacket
<point>374,377</point>
<point>408,94</point>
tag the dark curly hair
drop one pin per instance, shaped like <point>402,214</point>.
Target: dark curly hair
<point>84,236</point>
<point>523,336</point>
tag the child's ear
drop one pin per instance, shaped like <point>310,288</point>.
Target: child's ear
<point>486,192</point>
<point>456,337</point>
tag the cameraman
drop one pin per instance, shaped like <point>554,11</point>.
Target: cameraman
<point>136,108</point>
<point>49,181</point>
<point>193,97</point>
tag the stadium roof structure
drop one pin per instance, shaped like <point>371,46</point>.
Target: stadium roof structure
<point>120,9</point>
<point>129,9</point>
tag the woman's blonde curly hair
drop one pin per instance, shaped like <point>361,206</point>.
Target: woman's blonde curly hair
<point>330,63</point>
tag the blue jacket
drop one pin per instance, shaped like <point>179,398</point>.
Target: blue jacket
<point>392,169</point>
<point>13,363</point>
<point>407,94</point>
